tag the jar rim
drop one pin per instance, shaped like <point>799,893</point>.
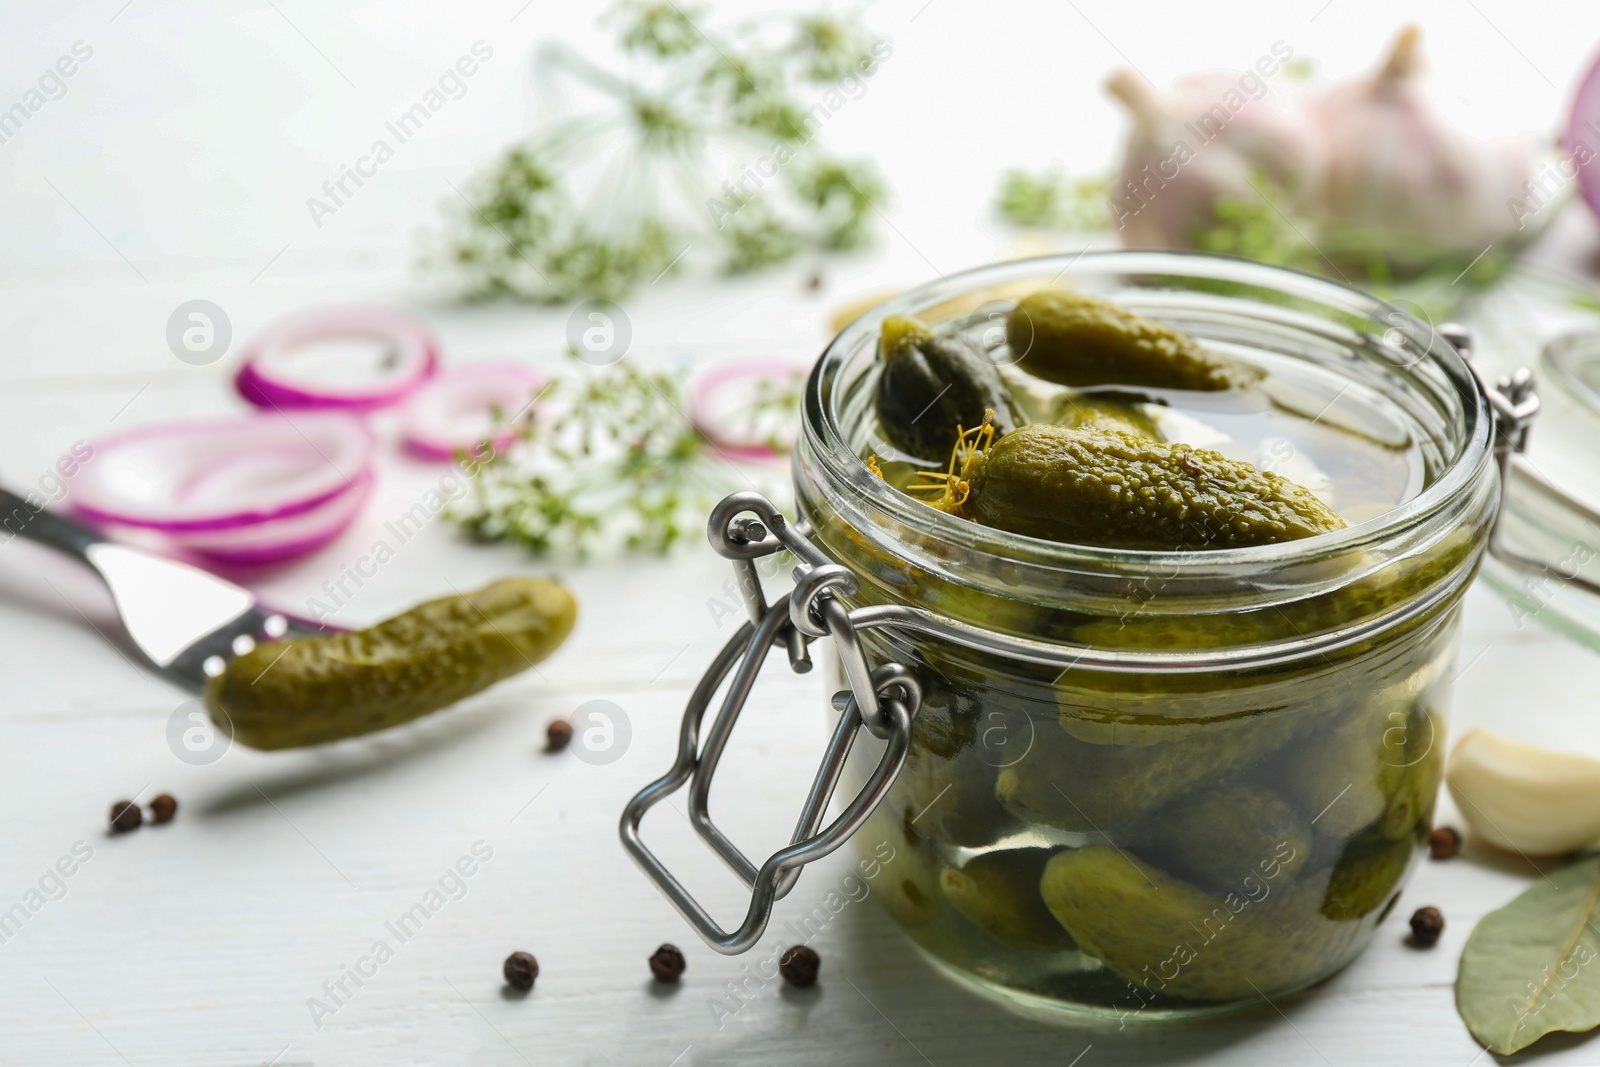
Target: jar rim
<point>826,440</point>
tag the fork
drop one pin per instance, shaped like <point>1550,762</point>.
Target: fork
<point>185,622</point>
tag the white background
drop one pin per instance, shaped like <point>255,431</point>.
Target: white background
<point>177,166</point>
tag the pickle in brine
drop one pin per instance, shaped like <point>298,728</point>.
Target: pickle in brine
<point>930,388</point>
<point>1108,777</point>
<point>999,893</point>
<point>910,886</point>
<point>950,800</point>
<point>1092,487</point>
<point>1071,338</point>
<point>1368,873</point>
<point>1379,765</point>
<point>1078,411</point>
<point>1219,835</point>
<point>1262,936</point>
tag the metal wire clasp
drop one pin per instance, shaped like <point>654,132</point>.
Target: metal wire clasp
<point>881,700</point>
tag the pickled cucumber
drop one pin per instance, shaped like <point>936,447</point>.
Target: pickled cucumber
<point>1335,775</point>
<point>930,388</point>
<point>911,892</point>
<point>946,722</point>
<point>1152,928</point>
<point>910,887</point>
<point>1090,487</point>
<point>999,893</point>
<point>1072,338</point>
<point>950,800</point>
<point>1411,782</point>
<point>1080,412</point>
<point>1368,872</point>
<point>1097,786</point>
<point>1378,766</point>
<point>1222,835</point>
<point>312,690</point>
<point>1371,594</point>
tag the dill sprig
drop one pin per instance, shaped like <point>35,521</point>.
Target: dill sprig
<point>608,457</point>
<point>706,143</point>
<point>1050,200</point>
<point>948,491</point>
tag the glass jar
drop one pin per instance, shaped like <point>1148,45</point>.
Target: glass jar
<point>1168,782</point>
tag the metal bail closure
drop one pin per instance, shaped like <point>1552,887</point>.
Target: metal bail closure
<point>882,701</point>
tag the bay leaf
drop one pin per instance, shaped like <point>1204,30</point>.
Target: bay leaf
<point>1533,967</point>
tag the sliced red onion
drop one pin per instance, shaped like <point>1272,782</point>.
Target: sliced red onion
<point>1583,136</point>
<point>721,394</point>
<point>259,544</point>
<point>222,474</point>
<point>279,540</point>
<point>456,411</point>
<point>292,365</point>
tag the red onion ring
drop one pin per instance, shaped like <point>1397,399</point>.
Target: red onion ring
<point>268,378</point>
<point>704,416</point>
<point>279,540</point>
<point>261,544</point>
<point>1583,130</point>
<point>222,474</point>
<point>452,412</point>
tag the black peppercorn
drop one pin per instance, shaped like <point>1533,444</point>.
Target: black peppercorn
<point>1444,843</point>
<point>799,966</point>
<point>163,808</point>
<point>557,734</point>
<point>1426,926</point>
<point>667,964</point>
<point>520,970</point>
<point>125,816</point>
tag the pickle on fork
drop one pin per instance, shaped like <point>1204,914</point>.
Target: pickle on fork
<point>311,690</point>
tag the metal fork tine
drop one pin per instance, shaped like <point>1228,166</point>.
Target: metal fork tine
<point>179,617</point>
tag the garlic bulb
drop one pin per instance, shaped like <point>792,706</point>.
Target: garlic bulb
<point>1524,798</point>
<point>1393,164</point>
<point>1199,143</point>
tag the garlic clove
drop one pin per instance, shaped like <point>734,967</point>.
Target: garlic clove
<point>1159,195</point>
<point>1262,126</point>
<point>1199,143</point>
<point>1524,798</point>
<point>1392,163</point>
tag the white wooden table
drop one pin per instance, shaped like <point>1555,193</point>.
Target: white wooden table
<point>176,166</point>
